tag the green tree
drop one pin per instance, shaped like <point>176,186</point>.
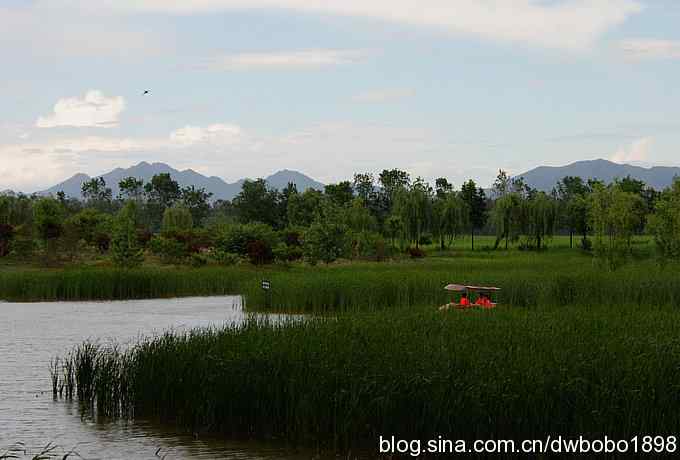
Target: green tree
<point>449,215</point>
<point>125,249</point>
<point>506,217</point>
<point>197,200</point>
<point>284,198</point>
<point>96,194</point>
<point>48,217</point>
<point>647,198</point>
<point>177,219</point>
<point>130,188</point>
<point>326,239</point>
<point>541,218</point>
<point>92,226</point>
<point>341,193</point>
<point>442,187</point>
<point>664,224</point>
<point>394,227</point>
<point>571,192</point>
<point>475,199</point>
<point>358,217</point>
<point>502,185</point>
<point>161,193</point>
<point>257,203</point>
<point>614,218</point>
<point>304,207</point>
<point>413,205</point>
<point>364,186</point>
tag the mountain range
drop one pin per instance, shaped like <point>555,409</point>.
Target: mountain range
<point>220,189</point>
<point>546,177</point>
<point>541,178</point>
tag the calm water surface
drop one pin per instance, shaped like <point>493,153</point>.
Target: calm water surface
<point>33,333</point>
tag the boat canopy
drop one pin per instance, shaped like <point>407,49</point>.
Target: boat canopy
<point>462,287</point>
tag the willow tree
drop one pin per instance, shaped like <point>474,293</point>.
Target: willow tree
<point>475,200</point>
<point>614,218</point>
<point>506,217</point>
<point>449,217</point>
<point>413,206</point>
<point>177,219</point>
<point>541,215</point>
<point>664,224</point>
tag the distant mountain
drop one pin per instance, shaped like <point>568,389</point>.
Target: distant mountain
<point>282,178</point>
<point>220,189</point>
<point>546,177</point>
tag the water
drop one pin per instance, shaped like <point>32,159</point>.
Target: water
<point>33,333</point>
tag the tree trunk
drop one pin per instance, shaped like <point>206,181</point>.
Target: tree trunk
<point>473,238</point>
<point>571,238</point>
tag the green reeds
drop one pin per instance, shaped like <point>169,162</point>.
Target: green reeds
<point>558,277</point>
<point>340,383</point>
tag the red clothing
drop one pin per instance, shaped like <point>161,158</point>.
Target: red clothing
<point>464,301</point>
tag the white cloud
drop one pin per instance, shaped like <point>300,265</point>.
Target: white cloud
<point>305,59</point>
<point>566,24</point>
<point>645,48</point>
<point>94,110</point>
<point>383,95</point>
<point>637,151</point>
<point>218,133</point>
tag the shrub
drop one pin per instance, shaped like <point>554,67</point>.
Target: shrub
<point>254,241</point>
<point>286,253</point>
<point>415,253</point>
<point>170,250</point>
<point>326,241</point>
<point>226,259</point>
<point>369,245</point>
<point>198,260</point>
<point>177,219</point>
<point>260,252</point>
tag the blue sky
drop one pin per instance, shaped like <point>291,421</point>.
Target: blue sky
<point>242,88</point>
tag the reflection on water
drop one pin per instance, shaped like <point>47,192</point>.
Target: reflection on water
<point>33,333</point>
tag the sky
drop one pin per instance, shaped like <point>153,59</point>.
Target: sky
<point>243,88</point>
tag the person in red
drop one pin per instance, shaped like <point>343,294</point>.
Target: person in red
<point>482,300</point>
<point>464,301</point>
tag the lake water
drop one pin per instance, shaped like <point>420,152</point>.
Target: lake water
<point>33,333</point>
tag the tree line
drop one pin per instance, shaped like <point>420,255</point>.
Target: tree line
<point>369,217</point>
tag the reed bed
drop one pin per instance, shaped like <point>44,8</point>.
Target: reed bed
<point>340,383</point>
<point>557,277</point>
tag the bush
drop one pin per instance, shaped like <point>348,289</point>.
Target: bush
<point>170,250</point>
<point>226,259</point>
<point>235,238</point>
<point>425,239</point>
<point>260,252</point>
<point>415,253</point>
<point>325,241</point>
<point>287,253</point>
<point>198,260</point>
<point>369,245</point>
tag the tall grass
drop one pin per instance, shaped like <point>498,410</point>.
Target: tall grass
<point>340,383</point>
<point>559,277</point>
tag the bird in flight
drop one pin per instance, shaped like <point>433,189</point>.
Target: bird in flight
<point>146,91</point>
